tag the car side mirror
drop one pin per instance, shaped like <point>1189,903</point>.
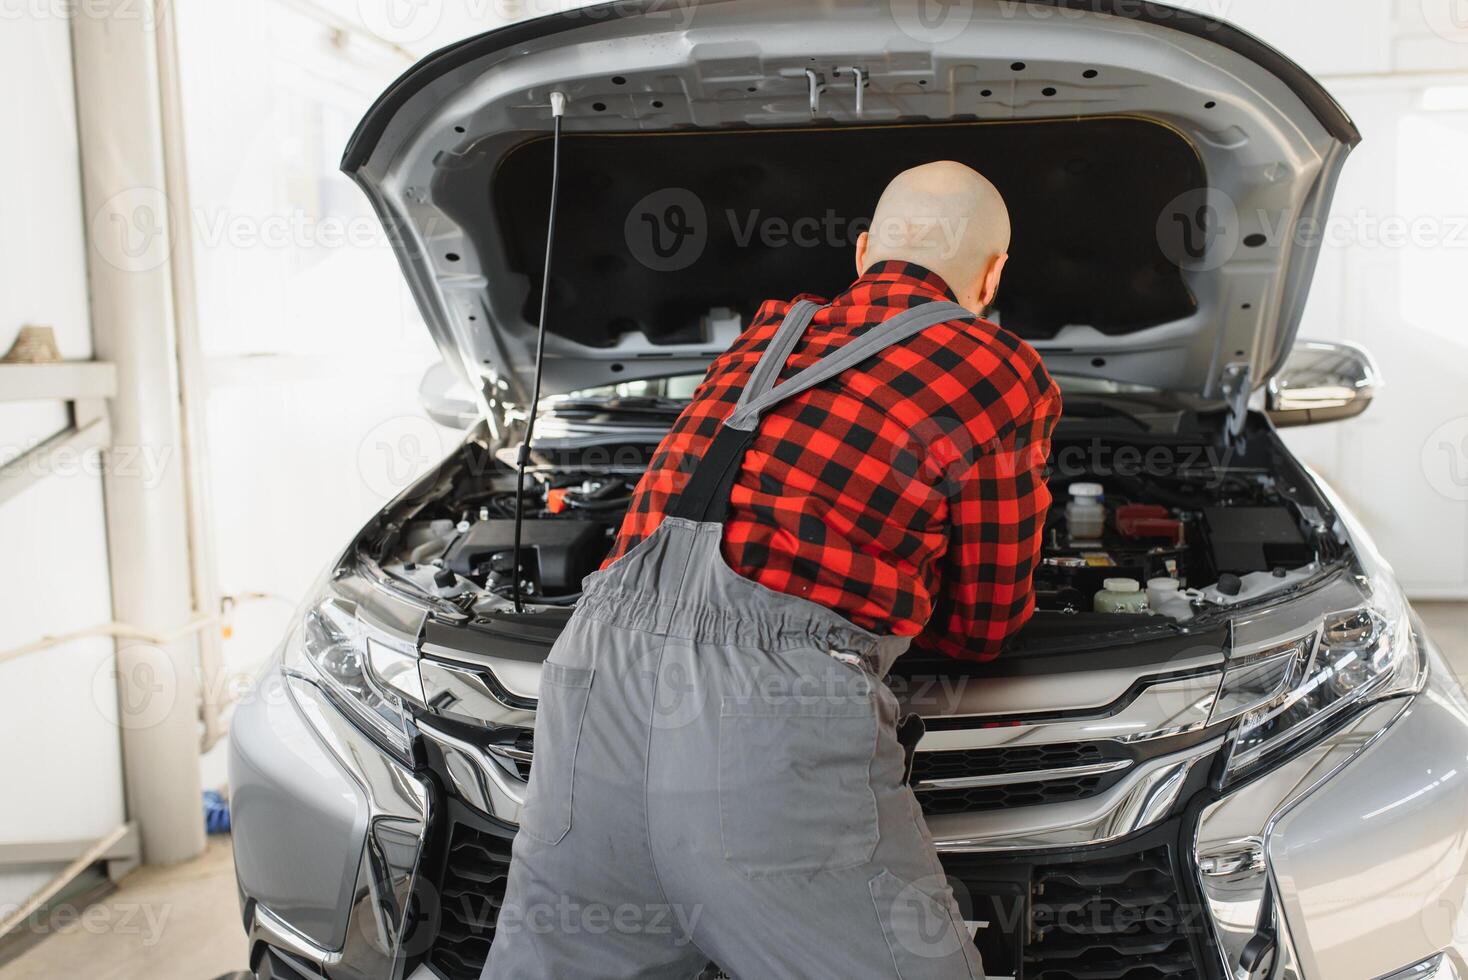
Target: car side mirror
<point>446,399</point>
<point>1321,381</point>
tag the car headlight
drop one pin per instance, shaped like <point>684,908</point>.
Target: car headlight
<point>1286,694</point>
<point>369,672</point>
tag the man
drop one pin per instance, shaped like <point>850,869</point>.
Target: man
<point>718,774</point>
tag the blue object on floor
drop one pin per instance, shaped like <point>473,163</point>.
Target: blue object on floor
<point>216,812</point>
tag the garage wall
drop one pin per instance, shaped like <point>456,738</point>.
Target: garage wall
<point>1391,275</point>
<point>59,748</point>
<point>312,348</point>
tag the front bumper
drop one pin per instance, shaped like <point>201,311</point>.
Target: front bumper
<point>1352,857</point>
<point>329,832</point>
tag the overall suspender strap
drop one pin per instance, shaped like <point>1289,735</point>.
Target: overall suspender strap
<point>873,342</point>
<point>767,371</point>
<point>705,498</point>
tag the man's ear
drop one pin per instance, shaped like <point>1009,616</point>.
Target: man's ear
<point>992,274</point>
<point>861,254</point>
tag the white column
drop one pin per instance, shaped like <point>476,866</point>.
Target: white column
<point>130,238</point>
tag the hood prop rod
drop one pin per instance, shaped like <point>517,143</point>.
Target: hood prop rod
<point>558,109</point>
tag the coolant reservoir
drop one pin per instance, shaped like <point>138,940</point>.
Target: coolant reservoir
<point>1121,595</point>
<point>1165,596</point>
<point>1159,590</point>
<point>1085,515</point>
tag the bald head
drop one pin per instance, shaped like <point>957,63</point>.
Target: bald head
<point>948,218</point>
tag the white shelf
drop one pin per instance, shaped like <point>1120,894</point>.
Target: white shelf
<point>59,381</point>
<point>86,385</point>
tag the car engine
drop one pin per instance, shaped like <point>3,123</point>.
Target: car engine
<point>1177,538</point>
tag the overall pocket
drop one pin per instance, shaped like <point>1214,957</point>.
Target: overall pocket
<point>795,793</point>
<point>564,693</point>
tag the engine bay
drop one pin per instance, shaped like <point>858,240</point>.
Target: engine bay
<point>1204,536</point>
<point>1171,539</point>
<point>570,521</point>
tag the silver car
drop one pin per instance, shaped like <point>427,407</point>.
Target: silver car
<point>1260,772</point>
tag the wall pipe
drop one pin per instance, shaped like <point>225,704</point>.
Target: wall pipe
<point>132,230</point>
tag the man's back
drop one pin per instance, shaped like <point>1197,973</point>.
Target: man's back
<point>906,493</point>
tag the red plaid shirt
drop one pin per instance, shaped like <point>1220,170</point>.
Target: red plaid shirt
<point>907,494</point>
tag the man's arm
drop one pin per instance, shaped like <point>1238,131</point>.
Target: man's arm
<point>997,511</point>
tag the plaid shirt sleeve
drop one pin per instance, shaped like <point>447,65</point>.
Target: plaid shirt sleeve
<point>997,508</point>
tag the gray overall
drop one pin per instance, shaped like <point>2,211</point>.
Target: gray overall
<point>717,769</point>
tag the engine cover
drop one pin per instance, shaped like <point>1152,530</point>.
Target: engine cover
<point>563,551</point>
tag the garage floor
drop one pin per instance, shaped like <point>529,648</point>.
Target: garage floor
<point>194,904</point>
<point>178,923</point>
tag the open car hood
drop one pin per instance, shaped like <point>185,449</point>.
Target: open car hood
<point>1165,173</point>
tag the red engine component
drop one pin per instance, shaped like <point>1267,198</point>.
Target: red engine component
<point>1148,521</point>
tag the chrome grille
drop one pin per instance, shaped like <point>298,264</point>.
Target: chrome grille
<point>1028,775</point>
<point>1101,772</point>
<point>982,798</point>
<point>1006,761</point>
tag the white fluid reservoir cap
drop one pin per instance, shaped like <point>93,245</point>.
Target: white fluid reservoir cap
<point>1086,490</point>
<point>1122,585</point>
<point>1163,585</point>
